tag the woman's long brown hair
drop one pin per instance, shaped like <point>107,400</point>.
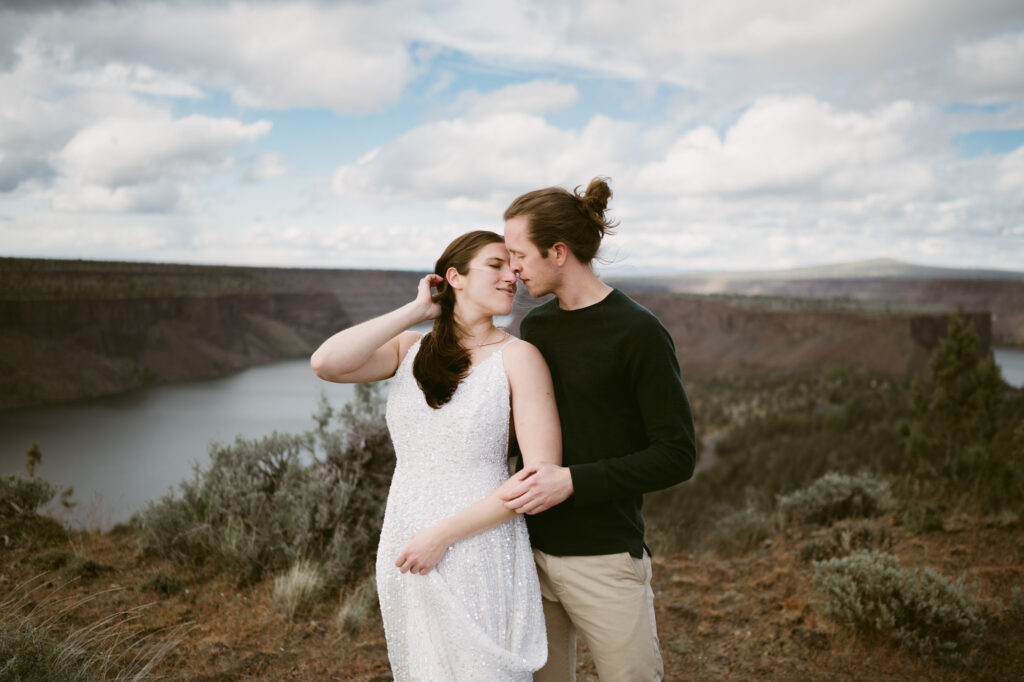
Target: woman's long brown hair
<point>442,362</point>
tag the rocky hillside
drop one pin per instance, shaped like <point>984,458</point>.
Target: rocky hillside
<point>79,329</point>
<point>756,335</point>
<point>1002,296</point>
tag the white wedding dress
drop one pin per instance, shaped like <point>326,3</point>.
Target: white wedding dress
<point>477,616</point>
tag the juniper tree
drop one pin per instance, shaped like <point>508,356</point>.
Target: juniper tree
<point>956,438</point>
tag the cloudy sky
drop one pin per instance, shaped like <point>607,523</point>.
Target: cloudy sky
<point>737,135</point>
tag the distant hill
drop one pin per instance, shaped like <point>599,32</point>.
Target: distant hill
<point>865,269</point>
<point>880,281</point>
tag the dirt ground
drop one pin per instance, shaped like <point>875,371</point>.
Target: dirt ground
<point>752,617</point>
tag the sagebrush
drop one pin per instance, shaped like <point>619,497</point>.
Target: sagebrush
<point>845,538</point>
<point>919,610</point>
<point>261,504</point>
<point>740,532</point>
<point>837,496</point>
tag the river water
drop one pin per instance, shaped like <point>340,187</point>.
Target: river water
<point>121,451</point>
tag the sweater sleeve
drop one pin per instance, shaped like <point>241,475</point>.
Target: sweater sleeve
<point>671,454</point>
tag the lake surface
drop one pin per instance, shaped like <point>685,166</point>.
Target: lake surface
<point>121,451</point>
<point>1011,361</point>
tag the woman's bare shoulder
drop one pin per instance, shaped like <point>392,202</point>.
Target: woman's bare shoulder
<point>407,340</point>
<point>522,356</point>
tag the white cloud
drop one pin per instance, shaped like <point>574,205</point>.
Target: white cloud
<point>799,130</point>
<point>347,57</point>
<point>484,159</point>
<point>798,145</point>
<point>990,69</point>
<point>1010,178</point>
<point>138,78</point>
<point>783,145</point>
<point>534,97</point>
<point>266,167</point>
<point>873,50</point>
<point>794,180</point>
<point>143,164</point>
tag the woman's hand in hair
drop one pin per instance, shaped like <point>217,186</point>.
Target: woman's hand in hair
<point>426,299</point>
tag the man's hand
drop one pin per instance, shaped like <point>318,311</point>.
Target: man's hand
<point>423,552</point>
<point>540,487</point>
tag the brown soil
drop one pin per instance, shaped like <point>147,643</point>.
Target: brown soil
<point>720,619</point>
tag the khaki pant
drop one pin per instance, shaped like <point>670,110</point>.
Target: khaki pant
<point>608,599</point>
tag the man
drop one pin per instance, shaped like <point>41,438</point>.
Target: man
<point>627,429</point>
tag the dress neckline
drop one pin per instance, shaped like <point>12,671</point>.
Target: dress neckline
<point>500,348</point>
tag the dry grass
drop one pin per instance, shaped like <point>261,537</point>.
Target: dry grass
<point>358,607</point>
<point>36,645</point>
<point>297,590</point>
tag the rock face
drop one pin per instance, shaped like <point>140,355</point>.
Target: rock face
<point>1003,297</point>
<point>713,336</point>
<point>80,329</point>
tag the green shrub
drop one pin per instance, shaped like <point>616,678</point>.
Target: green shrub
<point>31,653</point>
<point>965,440</point>
<point>261,504</point>
<point>921,517</point>
<point>844,539</point>
<point>296,591</point>
<point>164,583</point>
<point>919,610</point>
<point>52,560</point>
<point>740,532</point>
<point>21,497</point>
<point>837,496</point>
<point>1017,602</point>
<point>114,648</point>
<point>86,568</point>
<point>782,432</point>
<point>32,530</point>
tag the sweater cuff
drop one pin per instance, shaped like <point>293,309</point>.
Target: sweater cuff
<point>589,483</point>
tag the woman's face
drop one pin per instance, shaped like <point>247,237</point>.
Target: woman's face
<point>489,285</point>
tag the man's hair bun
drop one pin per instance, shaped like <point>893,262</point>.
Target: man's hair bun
<point>597,195</point>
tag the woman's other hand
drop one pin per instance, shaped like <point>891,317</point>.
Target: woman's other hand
<point>423,552</point>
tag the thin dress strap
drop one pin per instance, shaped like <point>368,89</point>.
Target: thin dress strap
<point>510,341</point>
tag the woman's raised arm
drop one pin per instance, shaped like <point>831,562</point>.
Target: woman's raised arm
<point>535,418</point>
<point>372,350</point>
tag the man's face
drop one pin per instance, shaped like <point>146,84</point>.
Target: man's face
<point>539,274</point>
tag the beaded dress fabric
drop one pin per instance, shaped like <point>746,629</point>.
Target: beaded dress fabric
<point>477,615</point>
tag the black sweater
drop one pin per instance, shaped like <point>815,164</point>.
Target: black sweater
<point>627,428</point>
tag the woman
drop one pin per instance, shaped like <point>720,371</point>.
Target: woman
<point>457,584</point>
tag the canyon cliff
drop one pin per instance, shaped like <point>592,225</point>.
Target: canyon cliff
<point>80,329</point>
<point>751,335</point>
<point>1002,297</point>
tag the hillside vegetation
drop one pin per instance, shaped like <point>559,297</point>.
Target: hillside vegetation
<point>842,525</point>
